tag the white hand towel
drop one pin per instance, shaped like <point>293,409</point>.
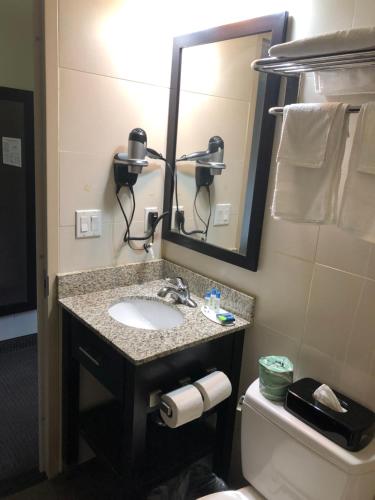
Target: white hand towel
<point>350,81</point>
<point>305,132</point>
<point>308,162</point>
<point>357,213</point>
<point>328,43</point>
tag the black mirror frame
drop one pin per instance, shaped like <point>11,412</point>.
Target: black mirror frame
<point>277,25</point>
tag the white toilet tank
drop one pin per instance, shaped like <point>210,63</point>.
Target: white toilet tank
<point>285,459</point>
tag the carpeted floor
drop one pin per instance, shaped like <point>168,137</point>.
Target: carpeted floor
<point>90,481</point>
<point>18,407</point>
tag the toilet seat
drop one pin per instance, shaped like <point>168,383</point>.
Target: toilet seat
<point>248,493</point>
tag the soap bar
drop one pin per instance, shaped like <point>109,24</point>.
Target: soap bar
<point>225,317</point>
<point>215,316</point>
<point>275,376</point>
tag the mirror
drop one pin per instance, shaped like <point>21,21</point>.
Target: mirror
<point>220,138</point>
<point>219,94</point>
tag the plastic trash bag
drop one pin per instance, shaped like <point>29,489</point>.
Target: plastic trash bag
<point>202,481</point>
<point>195,482</point>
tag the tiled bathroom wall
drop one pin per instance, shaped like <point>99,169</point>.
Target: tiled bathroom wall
<point>104,92</point>
<point>315,287</point>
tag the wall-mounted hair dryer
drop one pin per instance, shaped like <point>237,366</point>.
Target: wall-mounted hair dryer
<point>126,168</point>
<point>209,162</point>
<point>128,165</point>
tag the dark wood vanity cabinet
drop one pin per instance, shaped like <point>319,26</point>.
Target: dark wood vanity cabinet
<point>127,432</point>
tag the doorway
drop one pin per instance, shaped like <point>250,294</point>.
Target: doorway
<point>19,399</point>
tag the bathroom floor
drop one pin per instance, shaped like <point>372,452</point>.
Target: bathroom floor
<point>90,481</point>
<point>93,480</point>
<point>18,408</point>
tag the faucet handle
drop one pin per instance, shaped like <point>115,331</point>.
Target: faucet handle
<point>179,282</point>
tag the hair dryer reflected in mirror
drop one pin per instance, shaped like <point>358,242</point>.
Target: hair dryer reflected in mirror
<point>208,164</point>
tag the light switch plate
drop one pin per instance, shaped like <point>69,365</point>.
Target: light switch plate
<point>88,223</point>
<point>222,214</point>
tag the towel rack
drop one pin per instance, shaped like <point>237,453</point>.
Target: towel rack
<point>280,110</point>
<point>295,66</point>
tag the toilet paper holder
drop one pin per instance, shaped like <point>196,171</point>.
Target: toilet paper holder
<point>164,407</point>
<point>155,401</point>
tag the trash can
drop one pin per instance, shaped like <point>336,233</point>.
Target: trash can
<point>195,482</point>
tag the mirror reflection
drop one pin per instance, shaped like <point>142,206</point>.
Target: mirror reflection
<point>220,107</point>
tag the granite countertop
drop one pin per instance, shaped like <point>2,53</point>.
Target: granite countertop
<point>139,345</point>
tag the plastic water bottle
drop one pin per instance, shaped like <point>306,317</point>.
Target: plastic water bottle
<point>213,299</point>
<point>217,304</point>
<point>207,299</point>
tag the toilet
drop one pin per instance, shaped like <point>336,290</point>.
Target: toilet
<point>285,459</point>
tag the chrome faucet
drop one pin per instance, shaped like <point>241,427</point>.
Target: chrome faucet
<point>179,292</point>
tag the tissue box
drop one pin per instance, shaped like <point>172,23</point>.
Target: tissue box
<point>352,430</point>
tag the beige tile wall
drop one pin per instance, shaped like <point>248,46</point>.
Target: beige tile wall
<point>99,103</point>
<point>315,287</point>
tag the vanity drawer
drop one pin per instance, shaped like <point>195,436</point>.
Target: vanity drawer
<point>99,358</point>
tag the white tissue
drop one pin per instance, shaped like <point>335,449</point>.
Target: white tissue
<point>214,388</point>
<point>186,404</point>
<point>325,395</point>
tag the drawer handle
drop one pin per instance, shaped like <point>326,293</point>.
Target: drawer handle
<point>91,358</point>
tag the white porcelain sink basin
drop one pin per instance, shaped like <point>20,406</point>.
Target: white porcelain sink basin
<point>146,313</point>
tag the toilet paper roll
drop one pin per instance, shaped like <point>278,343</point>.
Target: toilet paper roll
<point>186,404</point>
<point>325,395</point>
<point>214,388</point>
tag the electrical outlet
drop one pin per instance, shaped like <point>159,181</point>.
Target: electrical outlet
<point>173,220</point>
<point>147,211</point>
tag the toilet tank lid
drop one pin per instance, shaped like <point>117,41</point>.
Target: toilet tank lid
<point>359,462</point>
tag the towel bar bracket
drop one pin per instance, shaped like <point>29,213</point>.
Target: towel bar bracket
<point>297,66</point>
<point>294,66</point>
<point>280,110</point>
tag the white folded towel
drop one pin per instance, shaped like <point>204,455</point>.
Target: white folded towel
<point>308,162</point>
<point>329,43</point>
<point>357,212</point>
<point>350,81</point>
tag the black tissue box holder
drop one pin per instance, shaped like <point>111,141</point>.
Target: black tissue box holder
<point>352,430</point>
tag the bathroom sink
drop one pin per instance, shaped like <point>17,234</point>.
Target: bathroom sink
<point>148,314</point>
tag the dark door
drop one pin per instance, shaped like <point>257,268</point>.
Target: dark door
<point>17,202</point>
